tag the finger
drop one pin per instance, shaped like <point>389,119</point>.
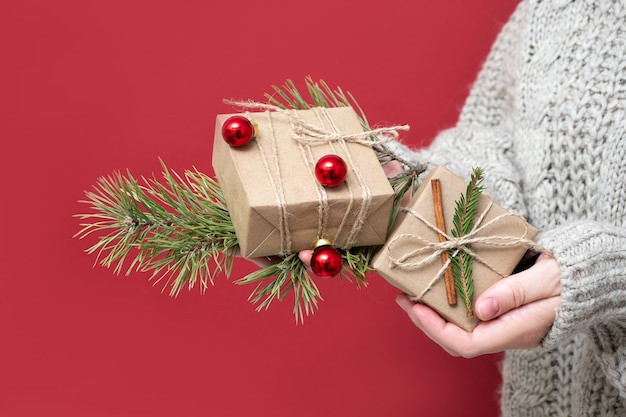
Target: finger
<point>540,281</point>
<point>305,257</point>
<point>412,309</point>
<point>263,262</point>
<point>393,168</point>
<point>522,328</point>
<point>431,324</point>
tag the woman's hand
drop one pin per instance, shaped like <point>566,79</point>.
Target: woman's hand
<point>517,313</point>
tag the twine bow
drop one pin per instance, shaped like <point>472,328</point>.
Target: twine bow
<point>454,245</point>
<point>305,132</point>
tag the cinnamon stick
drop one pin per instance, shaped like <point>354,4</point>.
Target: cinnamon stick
<point>441,225</point>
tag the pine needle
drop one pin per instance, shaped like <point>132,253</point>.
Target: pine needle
<point>322,95</point>
<point>463,223</point>
<point>357,260</point>
<point>178,228</point>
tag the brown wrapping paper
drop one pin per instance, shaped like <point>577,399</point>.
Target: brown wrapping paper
<point>275,202</point>
<point>424,282</point>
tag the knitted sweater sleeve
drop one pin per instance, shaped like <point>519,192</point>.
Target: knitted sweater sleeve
<point>592,256</point>
<point>591,253</point>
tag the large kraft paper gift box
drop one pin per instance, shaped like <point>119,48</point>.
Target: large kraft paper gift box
<point>276,204</point>
<point>407,262</point>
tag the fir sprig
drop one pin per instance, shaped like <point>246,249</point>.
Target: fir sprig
<point>322,95</point>
<point>275,281</point>
<point>463,223</point>
<point>181,231</point>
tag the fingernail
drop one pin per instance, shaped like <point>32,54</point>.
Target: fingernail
<point>488,308</point>
<point>401,303</point>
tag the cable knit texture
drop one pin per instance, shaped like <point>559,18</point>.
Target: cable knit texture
<point>546,119</point>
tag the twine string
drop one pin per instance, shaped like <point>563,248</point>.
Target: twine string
<point>366,191</point>
<point>307,134</point>
<point>277,187</point>
<point>454,245</point>
<point>310,133</point>
<point>323,208</point>
<point>344,219</point>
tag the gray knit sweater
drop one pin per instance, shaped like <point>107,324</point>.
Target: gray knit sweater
<point>546,119</point>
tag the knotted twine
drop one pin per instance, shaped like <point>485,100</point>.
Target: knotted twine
<point>455,245</point>
<point>307,134</point>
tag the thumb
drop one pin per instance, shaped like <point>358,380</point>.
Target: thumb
<point>540,281</point>
<point>305,257</point>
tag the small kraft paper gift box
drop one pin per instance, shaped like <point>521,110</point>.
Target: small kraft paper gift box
<point>276,203</point>
<point>415,256</point>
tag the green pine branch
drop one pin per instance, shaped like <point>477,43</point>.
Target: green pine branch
<point>463,223</point>
<point>322,95</point>
<point>180,230</point>
<point>288,96</point>
<point>275,281</point>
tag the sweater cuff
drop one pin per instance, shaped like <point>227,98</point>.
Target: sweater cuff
<point>592,257</point>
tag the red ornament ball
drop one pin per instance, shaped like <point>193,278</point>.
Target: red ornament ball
<point>326,261</point>
<point>331,170</point>
<point>238,130</point>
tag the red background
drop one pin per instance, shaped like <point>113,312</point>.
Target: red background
<point>89,87</point>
